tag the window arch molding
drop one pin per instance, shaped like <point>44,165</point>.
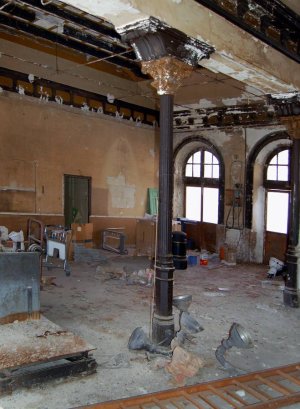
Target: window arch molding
<point>258,147</point>
<point>181,154</point>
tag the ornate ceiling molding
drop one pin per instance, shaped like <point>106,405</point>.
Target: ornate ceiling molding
<point>152,39</point>
<point>269,20</point>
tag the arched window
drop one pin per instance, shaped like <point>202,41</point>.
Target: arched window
<point>277,185</point>
<point>202,178</point>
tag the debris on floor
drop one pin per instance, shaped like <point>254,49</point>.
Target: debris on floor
<point>118,361</point>
<point>142,277</point>
<point>48,280</point>
<point>183,365</point>
<point>83,254</point>
<point>105,311</point>
<point>138,277</point>
<point>276,267</point>
<point>107,272</point>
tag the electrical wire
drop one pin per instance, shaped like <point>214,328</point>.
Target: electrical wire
<point>97,60</point>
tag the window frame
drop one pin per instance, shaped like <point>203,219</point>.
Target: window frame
<point>205,182</point>
<point>280,186</point>
<point>277,184</point>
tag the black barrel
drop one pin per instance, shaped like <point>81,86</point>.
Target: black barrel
<point>179,250</point>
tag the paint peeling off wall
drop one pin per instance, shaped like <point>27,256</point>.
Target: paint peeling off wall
<point>230,101</point>
<point>255,134</point>
<point>152,153</point>
<point>206,103</point>
<point>253,91</point>
<point>122,195</point>
<point>238,69</point>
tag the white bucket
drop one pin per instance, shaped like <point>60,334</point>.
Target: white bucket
<point>18,240</point>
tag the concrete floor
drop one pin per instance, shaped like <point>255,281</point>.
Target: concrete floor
<point>104,302</point>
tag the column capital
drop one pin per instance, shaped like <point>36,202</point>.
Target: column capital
<point>292,123</point>
<point>166,54</point>
<point>167,72</point>
<point>152,39</point>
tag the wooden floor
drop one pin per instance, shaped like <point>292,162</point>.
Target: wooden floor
<point>272,388</point>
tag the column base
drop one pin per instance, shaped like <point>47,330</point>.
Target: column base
<point>162,330</point>
<point>291,297</point>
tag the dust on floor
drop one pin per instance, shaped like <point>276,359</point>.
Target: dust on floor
<point>103,303</point>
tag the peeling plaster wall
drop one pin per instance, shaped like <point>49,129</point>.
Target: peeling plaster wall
<point>40,142</point>
<point>234,144</point>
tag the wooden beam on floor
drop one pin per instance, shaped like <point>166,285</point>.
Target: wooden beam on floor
<point>271,388</point>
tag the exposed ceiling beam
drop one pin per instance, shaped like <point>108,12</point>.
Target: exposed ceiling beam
<point>82,20</point>
<point>54,37</point>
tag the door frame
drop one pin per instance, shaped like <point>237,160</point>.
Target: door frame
<point>89,180</point>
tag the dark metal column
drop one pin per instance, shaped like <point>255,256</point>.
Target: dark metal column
<point>291,291</point>
<point>163,321</point>
<point>168,56</point>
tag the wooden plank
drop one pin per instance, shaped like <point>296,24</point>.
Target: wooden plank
<point>202,395</point>
<point>223,396</point>
<point>235,396</point>
<point>190,398</point>
<point>289,377</point>
<point>252,391</point>
<point>158,403</point>
<point>274,385</point>
<point>190,393</point>
<point>277,402</point>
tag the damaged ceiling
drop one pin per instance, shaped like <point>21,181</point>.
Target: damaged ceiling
<point>82,40</point>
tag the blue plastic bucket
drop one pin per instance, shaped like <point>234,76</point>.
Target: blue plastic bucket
<point>192,260</point>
